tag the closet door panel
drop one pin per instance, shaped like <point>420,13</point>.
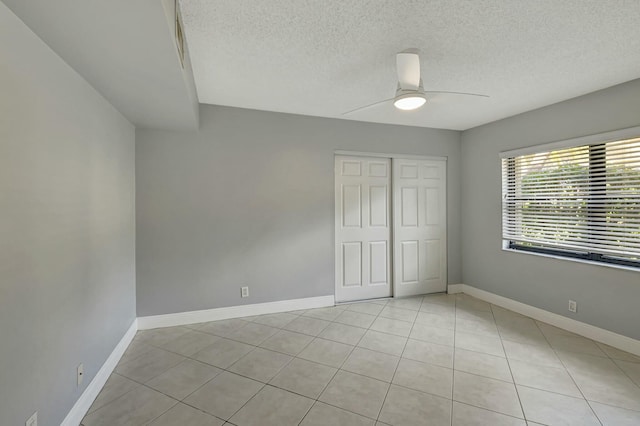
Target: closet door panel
<point>419,227</point>
<point>363,228</point>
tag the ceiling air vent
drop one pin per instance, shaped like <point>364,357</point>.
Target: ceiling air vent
<point>179,35</point>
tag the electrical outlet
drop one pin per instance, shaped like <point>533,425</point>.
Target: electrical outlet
<point>80,374</point>
<point>573,306</point>
<point>244,292</point>
<point>33,420</point>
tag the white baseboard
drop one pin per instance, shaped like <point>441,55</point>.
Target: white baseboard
<point>193,317</point>
<point>83,403</point>
<point>455,288</point>
<point>601,335</point>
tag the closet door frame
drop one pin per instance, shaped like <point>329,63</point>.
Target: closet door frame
<point>398,156</point>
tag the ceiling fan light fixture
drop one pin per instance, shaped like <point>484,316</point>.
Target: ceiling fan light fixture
<point>409,101</point>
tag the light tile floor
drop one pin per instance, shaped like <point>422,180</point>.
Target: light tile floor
<point>433,360</point>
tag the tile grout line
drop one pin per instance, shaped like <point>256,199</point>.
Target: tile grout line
<point>160,374</point>
<point>283,353</point>
<point>226,370</point>
<point>353,348</point>
<point>569,373</point>
<point>267,383</point>
<point>177,401</point>
<point>524,416</point>
<point>488,377</point>
<point>126,393</point>
<point>208,381</point>
<point>619,368</point>
<point>347,358</point>
<point>400,360</point>
<point>492,411</point>
<point>340,369</point>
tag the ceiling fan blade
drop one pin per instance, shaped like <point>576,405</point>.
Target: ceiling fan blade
<point>408,65</point>
<point>367,106</point>
<point>456,93</point>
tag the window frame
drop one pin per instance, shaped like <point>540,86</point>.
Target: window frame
<point>595,142</point>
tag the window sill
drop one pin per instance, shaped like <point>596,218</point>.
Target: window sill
<point>571,259</point>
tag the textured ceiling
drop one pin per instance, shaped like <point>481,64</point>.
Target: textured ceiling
<point>326,57</point>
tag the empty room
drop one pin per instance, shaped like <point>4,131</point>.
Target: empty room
<point>330,213</point>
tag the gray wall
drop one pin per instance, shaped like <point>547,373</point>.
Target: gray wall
<point>67,230</point>
<point>606,297</point>
<point>248,200</point>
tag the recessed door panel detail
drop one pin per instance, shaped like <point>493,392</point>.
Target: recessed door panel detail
<point>430,172</point>
<point>409,257</point>
<point>352,260</point>
<point>378,169</point>
<point>408,171</point>
<point>432,259</point>
<point>351,168</point>
<point>431,208</point>
<point>409,206</point>
<point>378,206</point>
<point>351,213</point>
<point>378,262</point>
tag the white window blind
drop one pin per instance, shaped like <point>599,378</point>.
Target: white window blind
<point>581,201</point>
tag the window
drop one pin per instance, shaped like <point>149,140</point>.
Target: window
<point>579,199</point>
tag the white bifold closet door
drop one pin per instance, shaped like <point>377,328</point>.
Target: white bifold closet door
<point>363,228</point>
<point>419,227</point>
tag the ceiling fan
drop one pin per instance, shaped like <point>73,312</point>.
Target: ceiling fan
<point>410,94</point>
